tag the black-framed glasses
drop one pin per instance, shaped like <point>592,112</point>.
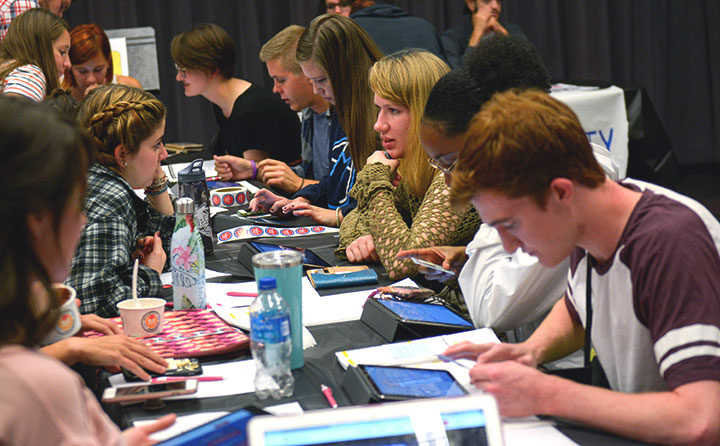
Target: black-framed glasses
<point>446,170</point>
<point>181,71</point>
<point>330,6</point>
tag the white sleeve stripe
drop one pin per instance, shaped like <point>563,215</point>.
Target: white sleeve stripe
<point>685,335</point>
<point>687,353</point>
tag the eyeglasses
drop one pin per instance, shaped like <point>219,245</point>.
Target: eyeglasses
<point>330,6</point>
<point>181,71</point>
<point>446,170</point>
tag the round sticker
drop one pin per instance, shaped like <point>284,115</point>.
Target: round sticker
<point>239,231</point>
<point>215,200</point>
<point>256,230</point>
<point>228,200</point>
<point>150,321</point>
<point>286,232</point>
<point>240,197</point>
<point>271,231</point>
<point>302,231</point>
<point>317,229</point>
<point>225,236</point>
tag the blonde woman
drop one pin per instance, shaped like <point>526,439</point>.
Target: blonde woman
<point>402,200</point>
<point>126,125</point>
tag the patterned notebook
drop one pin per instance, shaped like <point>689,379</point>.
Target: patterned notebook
<point>192,333</point>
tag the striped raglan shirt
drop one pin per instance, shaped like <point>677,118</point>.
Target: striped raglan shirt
<point>25,80</point>
<point>656,302</point>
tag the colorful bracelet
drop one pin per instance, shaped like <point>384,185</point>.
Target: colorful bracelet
<point>158,186</point>
<point>254,167</point>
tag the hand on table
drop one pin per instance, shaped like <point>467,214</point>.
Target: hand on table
<point>140,436</point>
<point>266,201</point>
<point>362,250</point>
<point>93,322</point>
<point>449,257</point>
<point>300,208</point>
<point>493,352</point>
<point>231,167</point>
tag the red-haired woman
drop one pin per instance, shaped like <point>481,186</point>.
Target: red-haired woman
<point>92,63</point>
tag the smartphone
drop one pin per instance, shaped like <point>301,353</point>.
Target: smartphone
<point>392,383</point>
<point>435,266</point>
<point>176,367</point>
<point>144,392</point>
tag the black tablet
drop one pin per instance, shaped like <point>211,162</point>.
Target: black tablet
<point>423,312</point>
<point>228,430</point>
<point>392,383</point>
<point>309,258</point>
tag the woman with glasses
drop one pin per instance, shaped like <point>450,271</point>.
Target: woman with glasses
<point>92,63</point>
<point>254,123</point>
<point>402,199</point>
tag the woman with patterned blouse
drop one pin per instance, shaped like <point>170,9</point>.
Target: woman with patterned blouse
<point>127,125</point>
<point>402,201</point>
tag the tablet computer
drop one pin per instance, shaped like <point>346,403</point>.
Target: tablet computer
<point>310,259</point>
<point>471,420</point>
<point>424,312</point>
<point>228,430</point>
<point>395,383</point>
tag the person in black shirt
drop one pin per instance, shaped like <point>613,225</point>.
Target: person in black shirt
<point>254,123</point>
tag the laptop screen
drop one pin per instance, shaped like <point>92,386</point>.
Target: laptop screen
<point>460,428</point>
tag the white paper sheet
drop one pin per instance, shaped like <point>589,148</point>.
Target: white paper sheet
<point>166,278</point>
<point>182,424</point>
<point>532,430</point>
<point>285,409</point>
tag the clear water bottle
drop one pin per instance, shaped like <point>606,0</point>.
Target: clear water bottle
<point>187,259</point>
<point>192,184</point>
<point>270,342</point>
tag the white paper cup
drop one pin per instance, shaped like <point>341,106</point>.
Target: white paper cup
<point>69,315</point>
<point>144,318</point>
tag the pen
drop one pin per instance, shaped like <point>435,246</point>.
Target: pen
<point>240,294</point>
<point>453,360</point>
<point>327,391</point>
<point>218,178</point>
<point>173,379</point>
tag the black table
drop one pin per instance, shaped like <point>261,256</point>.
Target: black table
<point>321,366</point>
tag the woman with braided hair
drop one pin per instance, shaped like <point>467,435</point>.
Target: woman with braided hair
<point>126,126</point>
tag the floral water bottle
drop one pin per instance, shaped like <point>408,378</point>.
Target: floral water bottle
<point>187,259</point>
<point>270,342</point>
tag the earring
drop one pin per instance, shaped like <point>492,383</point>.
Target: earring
<point>124,163</point>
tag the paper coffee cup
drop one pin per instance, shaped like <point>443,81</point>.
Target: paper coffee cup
<point>142,318</point>
<point>69,315</point>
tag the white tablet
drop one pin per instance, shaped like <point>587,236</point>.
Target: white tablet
<point>454,421</point>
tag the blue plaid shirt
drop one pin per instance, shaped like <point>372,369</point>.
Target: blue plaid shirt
<point>102,268</point>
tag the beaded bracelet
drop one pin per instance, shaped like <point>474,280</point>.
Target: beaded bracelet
<point>254,168</point>
<point>158,186</point>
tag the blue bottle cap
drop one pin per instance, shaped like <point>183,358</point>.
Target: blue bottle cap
<point>267,283</point>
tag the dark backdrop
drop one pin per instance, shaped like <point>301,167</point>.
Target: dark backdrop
<point>670,47</point>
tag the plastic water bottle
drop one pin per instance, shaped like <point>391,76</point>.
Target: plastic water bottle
<point>187,259</point>
<point>270,342</point>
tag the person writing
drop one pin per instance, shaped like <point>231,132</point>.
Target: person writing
<point>126,125</point>
<point>643,283</point>
<point>92,64</point>
<point>34,55</point>
<point>402,200</point>
<point>41,400</point>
